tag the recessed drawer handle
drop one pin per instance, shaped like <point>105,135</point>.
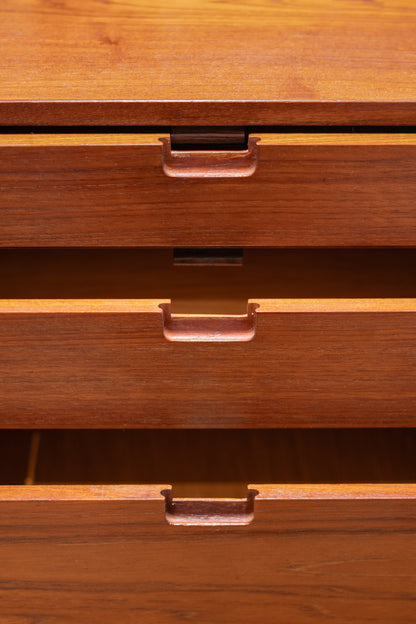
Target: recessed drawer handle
<point>209,512</point>
<point>209,163</point>
<point>215,328</point>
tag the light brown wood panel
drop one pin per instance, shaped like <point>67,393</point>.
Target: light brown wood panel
<point>105,554</point>
<point>207,62</point>
<point>109,190</point>
<point>106,364</point>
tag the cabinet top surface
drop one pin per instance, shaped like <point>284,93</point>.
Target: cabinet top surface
<point>209,62</point>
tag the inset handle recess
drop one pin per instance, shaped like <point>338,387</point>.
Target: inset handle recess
<point>209,512</point>
<point>214,328</point>
<point>209,163</point>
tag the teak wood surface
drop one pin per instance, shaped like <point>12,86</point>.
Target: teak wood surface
<point>289,190</point>
<point>207,63</point>
<point>107,364</point>
<point>312,554</point>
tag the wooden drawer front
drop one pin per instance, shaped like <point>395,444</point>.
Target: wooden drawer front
<point>130,190</point>
<point>105,554</point>
<point>287,363</point>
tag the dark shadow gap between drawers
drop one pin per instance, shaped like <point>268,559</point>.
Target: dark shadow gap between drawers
<point>151,274</point>
<point>211,462</point>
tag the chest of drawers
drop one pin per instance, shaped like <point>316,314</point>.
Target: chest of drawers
<point>207,311</point>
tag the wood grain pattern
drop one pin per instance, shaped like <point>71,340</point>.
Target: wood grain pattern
<point>312,190</point>
<point>73,557</point>
<point>344,491</point>
<point>266,492</point>
<point>301,369</point>
<point>207,63</point>
<point>87,493</point>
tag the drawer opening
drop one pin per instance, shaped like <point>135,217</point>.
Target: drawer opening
<point>208,287</point>
<point>208,463</point>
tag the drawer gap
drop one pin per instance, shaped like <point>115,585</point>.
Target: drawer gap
<point>208,463</point>
<point>202,286</point>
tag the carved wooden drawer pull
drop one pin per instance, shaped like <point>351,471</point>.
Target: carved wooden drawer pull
<point>209,163</point>
<point>213,328</point>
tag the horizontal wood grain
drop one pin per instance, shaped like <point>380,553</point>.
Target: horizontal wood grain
<point>139,306</point>
<point>36,138</point>
<point>329,492</point>
<point>302,368</point>
<point>327,306</point>
<point>207,63</point>
<point>73,557</point>
<point>97,139</point>
<point>304,542</point>
<point>265,492</point>
<point>86,306</point>
<point>305,190</point>
<point>56,493</point>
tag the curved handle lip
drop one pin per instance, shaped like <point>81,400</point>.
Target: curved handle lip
<point>209,163</point>
<point>209,328</point>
